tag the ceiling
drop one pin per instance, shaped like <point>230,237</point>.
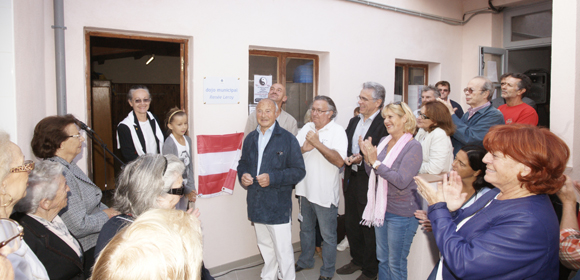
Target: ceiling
<point>106,48</point>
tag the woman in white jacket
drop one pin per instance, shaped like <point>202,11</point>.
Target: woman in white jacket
<point>435,128</point>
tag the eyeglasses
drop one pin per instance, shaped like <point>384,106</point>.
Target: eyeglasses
<point>423,116</point>
<point>443,90</point>
<point>27,166</point>
<point>139,101</point>
<point>470,90</point>
<point>11,232</point>
<point>178,191</point>
<point>318,111</point>
<point>396,103</point>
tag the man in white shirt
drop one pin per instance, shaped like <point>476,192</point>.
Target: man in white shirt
<point>286,121</point>
<point>323,144</point>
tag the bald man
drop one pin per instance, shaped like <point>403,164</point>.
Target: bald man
<point>277,94</point>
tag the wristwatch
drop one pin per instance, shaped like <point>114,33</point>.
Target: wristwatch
<point>376,164</point>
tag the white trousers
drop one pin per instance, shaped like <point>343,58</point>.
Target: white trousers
<point>275,243</point>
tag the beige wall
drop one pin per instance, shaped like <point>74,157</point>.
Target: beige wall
<point>565,82</point>
<point>356,43</point>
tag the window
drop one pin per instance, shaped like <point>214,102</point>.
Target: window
<point>296,71</point>
<point>409,80</point>
<point>529,25</point>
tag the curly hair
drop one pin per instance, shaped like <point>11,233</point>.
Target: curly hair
<point>49,134</point>
<point>537,148</point>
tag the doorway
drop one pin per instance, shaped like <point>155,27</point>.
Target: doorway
<point>116,63</point>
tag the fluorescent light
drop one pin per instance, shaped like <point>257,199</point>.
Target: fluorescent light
<point>150,59</point>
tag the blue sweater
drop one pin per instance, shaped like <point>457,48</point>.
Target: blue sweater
<point>472,131</point>
<point>508,239</point>
<point>283,161</point>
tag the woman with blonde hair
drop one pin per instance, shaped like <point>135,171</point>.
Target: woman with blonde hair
<point>160,244</point>
<point>392,195</point>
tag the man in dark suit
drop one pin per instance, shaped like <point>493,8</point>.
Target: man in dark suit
<point>369,123</point>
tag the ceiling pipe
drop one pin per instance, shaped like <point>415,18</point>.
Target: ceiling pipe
<point>59,29</point>
<point>450,21</point>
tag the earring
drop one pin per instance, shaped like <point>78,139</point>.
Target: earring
<point>2,195</point>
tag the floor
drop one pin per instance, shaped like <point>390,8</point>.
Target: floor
<point>342,258</point>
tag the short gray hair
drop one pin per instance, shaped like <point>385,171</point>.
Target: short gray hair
<point>5,155</point>
<point>487,86</point>
<point>134,88</point>
<point>144,180</point>
<point>431,88</point>
<point>330,103</point>
<point>378,91</point>
<point>43,183</point>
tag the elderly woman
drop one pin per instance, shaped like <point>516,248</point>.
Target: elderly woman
<point>435,128</point>
<point>57,139</point>
<point>139,133</point>
<point>160,244</point>
<point>393,199</point>
<point>150,181</point>
<point>14,177</point>
<point>511,232</point>
<point>44,230</point>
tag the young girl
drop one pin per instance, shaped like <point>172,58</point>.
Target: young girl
<point>179,144</point>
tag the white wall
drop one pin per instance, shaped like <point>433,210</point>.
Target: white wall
<point>7,71</point>
<point>565,102</point>
<point>356,43</point>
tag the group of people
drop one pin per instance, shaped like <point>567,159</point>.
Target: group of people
<point>60,229</point>
<point>497,167</point>
<point>495,191</point>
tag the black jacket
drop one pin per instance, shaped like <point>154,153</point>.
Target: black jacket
<point>59,259</point>
<point>377,130</point>
<point>126,141</point>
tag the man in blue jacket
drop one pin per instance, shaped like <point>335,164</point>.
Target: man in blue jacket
<point>270,165</point>
<point>479,118</point>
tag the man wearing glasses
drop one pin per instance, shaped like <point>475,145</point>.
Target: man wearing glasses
<point>444,89</point>
<point>324,144</point>
<point>139,133</point>
<point>369,123</point>
<point>271,164</point>
<point>480,117</point>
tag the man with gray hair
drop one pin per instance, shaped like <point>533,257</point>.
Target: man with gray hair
<point>480,117</point>
<point>428,93</point>
<point>323,143</point>
<point>361,239</point>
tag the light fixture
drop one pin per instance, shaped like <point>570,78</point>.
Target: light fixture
<point>150,59</point>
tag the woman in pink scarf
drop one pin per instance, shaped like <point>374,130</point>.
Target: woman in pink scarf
<point>392,196</point>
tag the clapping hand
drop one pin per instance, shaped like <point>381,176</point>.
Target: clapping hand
<point>449,191</point>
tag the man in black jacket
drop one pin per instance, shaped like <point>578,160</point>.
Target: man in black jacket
<point>369,123</point>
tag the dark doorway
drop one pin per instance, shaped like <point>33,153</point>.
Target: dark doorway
<point>117,62</point>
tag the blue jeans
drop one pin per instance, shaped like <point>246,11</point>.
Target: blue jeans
<point>394,239</point>
<point>327,221</point>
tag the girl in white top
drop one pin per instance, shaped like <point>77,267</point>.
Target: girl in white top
<point>179,144</point>
<point>435,128</point>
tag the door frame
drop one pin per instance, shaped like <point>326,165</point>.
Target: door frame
<point>183,88</point>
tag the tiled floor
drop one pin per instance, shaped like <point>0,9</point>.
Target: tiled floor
<point>253,273</point>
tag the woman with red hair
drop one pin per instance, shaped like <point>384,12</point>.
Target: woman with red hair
<point>511,232</point>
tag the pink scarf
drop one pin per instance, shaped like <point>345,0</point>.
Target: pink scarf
<point>374,213</point>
